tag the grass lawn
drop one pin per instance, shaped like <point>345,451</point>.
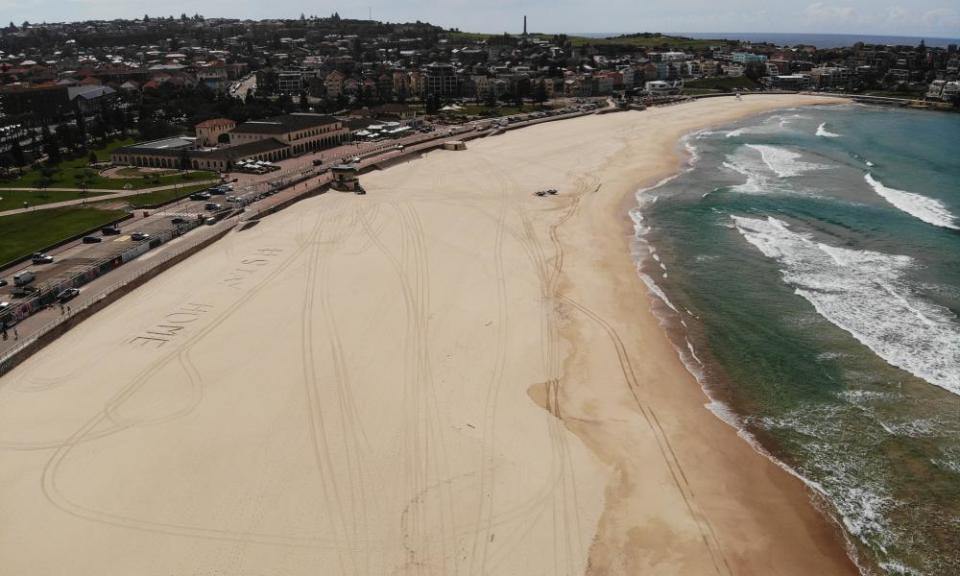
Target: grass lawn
<point>163,196</point>
<point>12,199</point>
<point>721,83</point>
<point>22,234</point>
<point>133,171</point>
<point>103,153</point>
<point>66,172</point>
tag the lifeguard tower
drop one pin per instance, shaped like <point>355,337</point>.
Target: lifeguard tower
<point>345,178</point>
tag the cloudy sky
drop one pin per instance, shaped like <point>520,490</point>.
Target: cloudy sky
<point>932,18</point>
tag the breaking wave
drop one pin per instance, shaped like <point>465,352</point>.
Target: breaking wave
<point>824,133</point>
<point>863,293</point>
<point>783,162</point>
<point>921,207</point>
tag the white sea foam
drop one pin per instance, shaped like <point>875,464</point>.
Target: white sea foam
<point>764,167</point>
<point>735,133</point>
<point>895,568</point>
<point>694,154</point>
<point>860,397</point>
<point>782,161</point>
<point>916,428</point>
<point>748,166</point>
<point>863,293</point>
<point>824,133</point>
<point>656,291</point>
<point>693,352</point>
<point>921,207</point>
<point>950,460</point>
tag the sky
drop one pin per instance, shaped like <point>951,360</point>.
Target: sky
<point>931,18</point>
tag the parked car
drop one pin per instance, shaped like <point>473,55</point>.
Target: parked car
<point>211,206</point>
<point>139,236</point>
<point>92,239</point>
<point>200,196</point>
<point>178,221</point>
<point>39,258</point>
<point>110,230</point>
<point>218,191</point>
<point>68,294</point>
<point>24,278</point>
<point>4,306</point>
<point>210,221</point>
<point>3,282</point>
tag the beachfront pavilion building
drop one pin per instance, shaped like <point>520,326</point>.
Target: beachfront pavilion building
<point>301,132</point>
<point>268,140</point>
<point>180,153</point>
<point>209,131</point>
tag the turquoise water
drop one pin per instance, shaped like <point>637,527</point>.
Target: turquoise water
<point>809,263</point>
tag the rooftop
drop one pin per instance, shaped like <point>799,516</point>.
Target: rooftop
<point>174,143</point>
<point>248,149</point>
<point>286,123</point>
<point>214,122</point>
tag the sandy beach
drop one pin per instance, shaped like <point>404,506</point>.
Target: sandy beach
<point>449,375</point>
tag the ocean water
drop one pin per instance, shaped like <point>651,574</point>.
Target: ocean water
<point>807,266</point>
<point>824,41</point>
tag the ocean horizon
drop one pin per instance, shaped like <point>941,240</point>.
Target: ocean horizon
<point>807,266</point>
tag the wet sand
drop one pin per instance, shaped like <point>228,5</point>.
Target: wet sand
<point>448,375</point>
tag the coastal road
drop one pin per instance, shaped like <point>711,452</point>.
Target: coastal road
<point>243,87</point>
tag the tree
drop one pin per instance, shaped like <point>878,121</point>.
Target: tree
<point>755,71</point>
<point>433,103</point>
<point>286,103</point>
<point>84,178</point>
<point>92,157</point>
<point>65,135</point>
<point>540,93</point>
<point>16,151</point>
<point>51,146</point>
